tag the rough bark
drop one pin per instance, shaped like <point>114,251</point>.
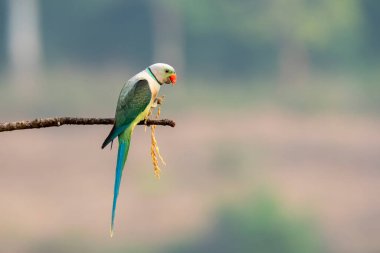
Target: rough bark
<point>60,121</point>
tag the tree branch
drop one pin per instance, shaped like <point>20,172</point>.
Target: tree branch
<point>60,121</point>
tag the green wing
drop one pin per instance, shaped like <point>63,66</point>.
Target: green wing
<point>133,100</point>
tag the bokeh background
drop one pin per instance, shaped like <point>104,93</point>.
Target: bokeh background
<point>277,143</point>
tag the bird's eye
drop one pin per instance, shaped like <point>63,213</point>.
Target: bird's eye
<point>166,71</point>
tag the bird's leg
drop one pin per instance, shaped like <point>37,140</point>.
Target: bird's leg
<point>158,101</point>
<point>147,117</point>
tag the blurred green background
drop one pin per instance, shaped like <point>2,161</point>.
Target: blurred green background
<point>277,143</point>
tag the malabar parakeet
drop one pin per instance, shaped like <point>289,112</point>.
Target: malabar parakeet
<point>135,101</point>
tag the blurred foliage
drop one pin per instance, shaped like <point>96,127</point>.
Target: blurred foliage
<point>96,32</point>
<point>259,225</point>
<point>371,9</point>
<point>221,37</point>
<point>3,16</point>
<point>314,22</point>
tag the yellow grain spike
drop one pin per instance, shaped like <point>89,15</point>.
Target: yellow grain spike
<point>157,149</point>
<point>154,150</point>
<point>154,155</point>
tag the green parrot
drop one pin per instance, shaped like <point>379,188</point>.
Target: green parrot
<point>135,101</point>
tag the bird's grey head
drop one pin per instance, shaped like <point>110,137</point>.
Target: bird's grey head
<point>164,73</point>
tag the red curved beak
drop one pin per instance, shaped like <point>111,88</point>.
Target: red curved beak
<point>173,79</point>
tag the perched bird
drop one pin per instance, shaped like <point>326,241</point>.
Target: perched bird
<point>135,101</point>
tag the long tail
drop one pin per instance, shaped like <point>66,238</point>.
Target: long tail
<point>124,142</point>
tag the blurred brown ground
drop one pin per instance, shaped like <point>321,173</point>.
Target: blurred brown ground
<point>57,183</point>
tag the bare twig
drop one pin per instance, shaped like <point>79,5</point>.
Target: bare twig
<point>60,121</point>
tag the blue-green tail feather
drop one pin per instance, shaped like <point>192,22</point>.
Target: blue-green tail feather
<point>124,142</point>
